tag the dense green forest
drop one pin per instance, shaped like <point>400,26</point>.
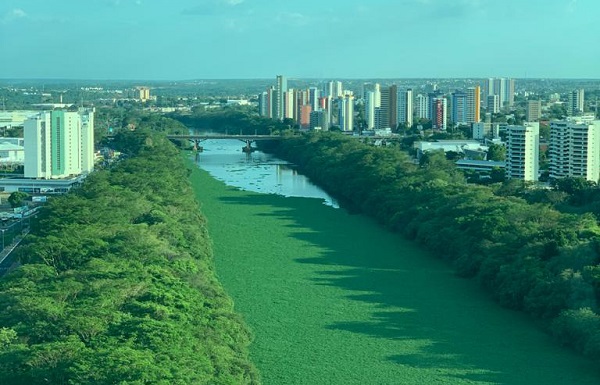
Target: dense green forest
<point>528,254</point>
<point>117,284</point>
<point>232,120</point>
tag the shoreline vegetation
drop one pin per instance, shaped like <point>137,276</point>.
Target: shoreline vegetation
<point>530,256</point>
<point>117,284</point>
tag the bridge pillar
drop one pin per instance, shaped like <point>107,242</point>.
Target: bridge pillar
<point>248,147</point>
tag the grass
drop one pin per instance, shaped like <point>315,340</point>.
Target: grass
<point>334,298</point>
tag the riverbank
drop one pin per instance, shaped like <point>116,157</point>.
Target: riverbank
<point>334,298</point>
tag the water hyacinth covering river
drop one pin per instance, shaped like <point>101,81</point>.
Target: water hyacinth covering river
<point>334,298</point>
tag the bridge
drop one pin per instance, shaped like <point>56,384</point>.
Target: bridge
<point>248,139</point>
<point>225,136</point>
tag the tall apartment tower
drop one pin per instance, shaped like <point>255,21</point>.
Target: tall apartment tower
<point>280,89</point>
<point>504,88</point>
<point>439,113</point>
<point>459,107</point>
<point>522,152</point>
<point>346,112</point>
<point>370,107</point>
<point>422,102</point>
<point>338,89</point>
<point>392,106</point>
<point>59,144</point>
<point>384,112</point>
<point>574,149</point>
<point>575,102</point>
<point>473,104</point>
<point>263,104</point>
<point>493,104</point>
<point>405,107</point>
<point>313,97</point>
<point>534,110</point>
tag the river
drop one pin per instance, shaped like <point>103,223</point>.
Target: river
<point>333,298</point>
<point>257,171</point>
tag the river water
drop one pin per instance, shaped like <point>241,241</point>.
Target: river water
<point>333,298</point>
<point>258,172</point>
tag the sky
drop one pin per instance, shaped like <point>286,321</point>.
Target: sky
<point>325,39</point>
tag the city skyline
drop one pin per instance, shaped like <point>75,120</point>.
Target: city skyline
<point>253,39</point>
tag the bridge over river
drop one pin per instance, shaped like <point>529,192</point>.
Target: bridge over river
<point>249,139</point>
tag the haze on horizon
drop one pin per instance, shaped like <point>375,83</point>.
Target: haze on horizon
<point>245,39</point>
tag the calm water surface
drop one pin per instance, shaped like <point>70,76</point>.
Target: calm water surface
<point>258,172</point>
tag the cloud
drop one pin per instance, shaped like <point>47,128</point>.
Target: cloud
<point>13,15</point>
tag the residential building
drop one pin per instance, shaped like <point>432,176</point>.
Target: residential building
<point>575,102</point>
<point>280,90</point>
<point>522,151</point>
<point>438,112</point>
<point>422,102</point>
<point>143,94</point>
<point>392,106</point>
<point>370,106</point>
<point>405,107</point>
<point>574,149</point>
<point>481,130</point>
<point>534,110</point>
<point>313,97</point>
<point>346,112</point>
<point>493,104</point>
<point>59,144</point>
<point>473,104</point>
<point>458,113</point>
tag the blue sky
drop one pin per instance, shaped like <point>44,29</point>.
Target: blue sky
<point>222,39</point>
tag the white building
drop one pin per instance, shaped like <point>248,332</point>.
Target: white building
<point>16,118</point>
<point>574,149</point>
<point>346,112</point>
<point>59,144</point>
<point>523,151</point>
<point>422,106</point>
<point>11,153</point>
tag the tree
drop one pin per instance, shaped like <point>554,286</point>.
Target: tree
<point>16,198</point>
<point>496,152</point>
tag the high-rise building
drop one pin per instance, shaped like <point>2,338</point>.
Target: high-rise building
<point>263,104</point>
<point>422,106</point>
<point>405,107</point>
<point>346,112</point>
<point>313,97</point>
<point>338,89</point>
<point>319,120</point>
<point>522,151</point>
<point>439,115</point>
<point>473,104</point>
<point>574,149</point>
<point>59,144</point>
<point>534,110</point>
<point>280,89</point>
<point>493,104</point>
<point>143,94</point>
<point>289,100</point>
<point>392,106</point>
<point>370,106</point>
<point>305,111</point>
<point>504,88</point>
<point>458,113</point>
<point>575,102</point>
<point>384,118</point>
